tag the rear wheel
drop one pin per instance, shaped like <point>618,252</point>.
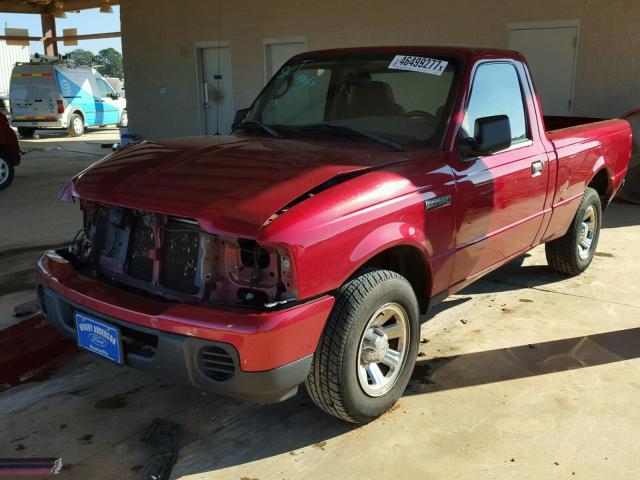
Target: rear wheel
<point>6,173</point>
<point>572,253</point>
<point>26,132</point>
<point>76,125</point>
<point>367,352</point>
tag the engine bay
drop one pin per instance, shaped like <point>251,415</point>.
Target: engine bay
<point>174,259</point>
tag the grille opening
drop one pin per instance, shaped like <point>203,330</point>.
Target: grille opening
<point>142,240</point>
<point>180,258</point>
<point>216,363</point>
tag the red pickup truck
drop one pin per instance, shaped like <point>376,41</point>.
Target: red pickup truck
<point>360,189</point>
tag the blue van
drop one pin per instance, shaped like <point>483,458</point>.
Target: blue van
<point>60,95</point>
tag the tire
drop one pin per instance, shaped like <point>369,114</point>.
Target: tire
<point>26,132</point>
<point>6,173</point>
<point>338,382</point>
<point>124,120</point>
<point>76,125</point>
<point>572,253</point>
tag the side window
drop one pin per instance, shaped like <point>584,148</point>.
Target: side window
<point>103,88</point>
<point>496,91</point>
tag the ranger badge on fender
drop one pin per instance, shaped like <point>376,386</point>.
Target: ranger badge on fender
<point>437,202</point>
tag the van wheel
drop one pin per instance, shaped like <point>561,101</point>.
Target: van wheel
<point>124,120</point>
<point>572,253</point>
<point>26,132</point>
<point>368,349</point>
<point>6,173</point>
<point>76,125</point>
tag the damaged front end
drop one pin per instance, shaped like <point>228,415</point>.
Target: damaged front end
<point>174,259</point>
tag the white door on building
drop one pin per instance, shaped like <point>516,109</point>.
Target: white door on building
<point>278,51</point>
<point>551,54</point>
<point>217,89</point>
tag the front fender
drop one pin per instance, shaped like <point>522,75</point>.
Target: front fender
<point>386,237</point>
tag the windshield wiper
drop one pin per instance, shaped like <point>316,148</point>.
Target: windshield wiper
<point>266,128</point>
<point>346,130</point>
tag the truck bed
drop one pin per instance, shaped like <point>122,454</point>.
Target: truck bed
<point>581,151</point>
<point>556,122</point>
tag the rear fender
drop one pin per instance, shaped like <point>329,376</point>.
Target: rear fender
<point>71,109</point>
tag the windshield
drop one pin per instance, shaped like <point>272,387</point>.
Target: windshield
<point>398,97</point>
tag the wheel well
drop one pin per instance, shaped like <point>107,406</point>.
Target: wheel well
<point>600,183</point>
<point>408,262</point>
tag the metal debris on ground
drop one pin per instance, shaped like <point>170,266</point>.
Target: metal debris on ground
<point>163,436</point>
<point>26,309</point>
<point>29,466</point>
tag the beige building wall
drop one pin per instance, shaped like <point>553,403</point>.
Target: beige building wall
<point>159,40</point>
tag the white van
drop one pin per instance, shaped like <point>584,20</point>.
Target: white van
<point>59,95</point>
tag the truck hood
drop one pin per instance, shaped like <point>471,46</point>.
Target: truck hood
<point>230,185</point>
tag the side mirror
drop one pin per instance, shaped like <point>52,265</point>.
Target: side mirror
<point>239,117</point>
<point>492,134</point>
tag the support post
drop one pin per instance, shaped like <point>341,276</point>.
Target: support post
<point>49,34</point>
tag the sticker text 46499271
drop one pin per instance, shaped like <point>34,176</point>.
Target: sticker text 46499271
<point>432,66</point>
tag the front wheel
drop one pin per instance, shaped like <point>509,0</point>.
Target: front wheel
<point>572,253</point>
<point>6,173</point>
<point>367,352</point>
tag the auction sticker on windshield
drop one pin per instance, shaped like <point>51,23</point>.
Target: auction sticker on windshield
<point>432,66</point>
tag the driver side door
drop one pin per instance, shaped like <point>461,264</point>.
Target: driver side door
<point>106,104</point>
<point>501,197</point>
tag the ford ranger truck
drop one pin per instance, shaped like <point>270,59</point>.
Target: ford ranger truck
<point>360,189</point>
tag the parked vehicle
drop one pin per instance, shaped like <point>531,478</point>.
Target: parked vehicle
<point>9,153</point>
<point>5,109</point>
<point>56,94</point>
<point>362,188</point>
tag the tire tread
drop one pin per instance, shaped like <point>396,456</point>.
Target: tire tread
<point>323,382</point>
<point>560,253</point>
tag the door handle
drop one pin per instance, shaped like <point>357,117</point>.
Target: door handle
<point>205,94</point>
<point>536,168</point>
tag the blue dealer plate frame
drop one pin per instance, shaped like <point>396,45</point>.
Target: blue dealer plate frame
<point>98,337</point>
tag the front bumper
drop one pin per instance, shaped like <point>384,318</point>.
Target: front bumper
<point>269,353</point>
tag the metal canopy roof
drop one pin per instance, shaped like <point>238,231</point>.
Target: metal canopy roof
<point>50,6</point>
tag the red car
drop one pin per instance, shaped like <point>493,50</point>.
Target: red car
<point>9,153</point>
<point>361,188</point>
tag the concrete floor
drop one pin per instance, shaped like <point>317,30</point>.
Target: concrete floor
<point>525,375</point>
<point>31,217</point>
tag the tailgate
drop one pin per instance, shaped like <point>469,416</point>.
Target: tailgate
<point>33,93</point>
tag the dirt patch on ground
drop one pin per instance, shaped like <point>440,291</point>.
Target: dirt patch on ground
<point>12,252</point>
<point>17,281</point>
<point>111,403</point>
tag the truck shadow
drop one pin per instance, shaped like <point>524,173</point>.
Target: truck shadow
<point>512,276</point>
<point>621,214</point>
<point>259,432</point>
<point>480,368</point>
<point>264,431</point>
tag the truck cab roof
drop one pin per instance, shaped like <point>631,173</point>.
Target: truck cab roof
<point>452,51</point>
